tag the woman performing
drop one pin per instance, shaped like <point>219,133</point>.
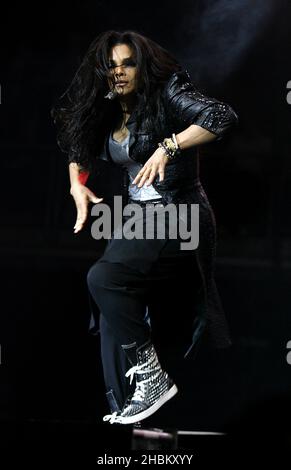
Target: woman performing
<point>132,106</point>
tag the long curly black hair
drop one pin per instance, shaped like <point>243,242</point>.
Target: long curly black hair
<point>83,116</point>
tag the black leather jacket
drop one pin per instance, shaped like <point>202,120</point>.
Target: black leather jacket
<point>185,105</point>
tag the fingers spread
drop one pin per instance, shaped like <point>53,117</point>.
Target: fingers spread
<point>144,177</point>
<point>139,176</point>
<point>151,176</point>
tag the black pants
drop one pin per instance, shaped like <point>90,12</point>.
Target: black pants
<point>123,283</point>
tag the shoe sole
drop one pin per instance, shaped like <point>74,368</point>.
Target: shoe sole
<point>152,409</point>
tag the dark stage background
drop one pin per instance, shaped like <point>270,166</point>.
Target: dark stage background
<point>237,51</point>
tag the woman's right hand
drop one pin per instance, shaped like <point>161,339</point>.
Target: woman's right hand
<point>82,196</point>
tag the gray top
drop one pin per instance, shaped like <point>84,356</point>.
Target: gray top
<point>119,153</point>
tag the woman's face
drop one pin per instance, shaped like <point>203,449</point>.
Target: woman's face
<point>123,69</point>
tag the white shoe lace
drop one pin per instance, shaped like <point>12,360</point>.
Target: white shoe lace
<point>139,393</point>
<point>113,418</point>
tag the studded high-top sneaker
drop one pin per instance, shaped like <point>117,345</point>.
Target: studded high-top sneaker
<point>153,386</point>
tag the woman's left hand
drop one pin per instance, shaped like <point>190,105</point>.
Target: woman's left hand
<point>154,165</point>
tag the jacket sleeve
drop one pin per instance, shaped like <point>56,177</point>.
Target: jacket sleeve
<point>189,106</point>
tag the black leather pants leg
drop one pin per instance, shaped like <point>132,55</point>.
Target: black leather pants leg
<point>115,364</point>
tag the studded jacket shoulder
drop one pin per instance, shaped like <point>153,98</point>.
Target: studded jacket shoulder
<point>189,106</point>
